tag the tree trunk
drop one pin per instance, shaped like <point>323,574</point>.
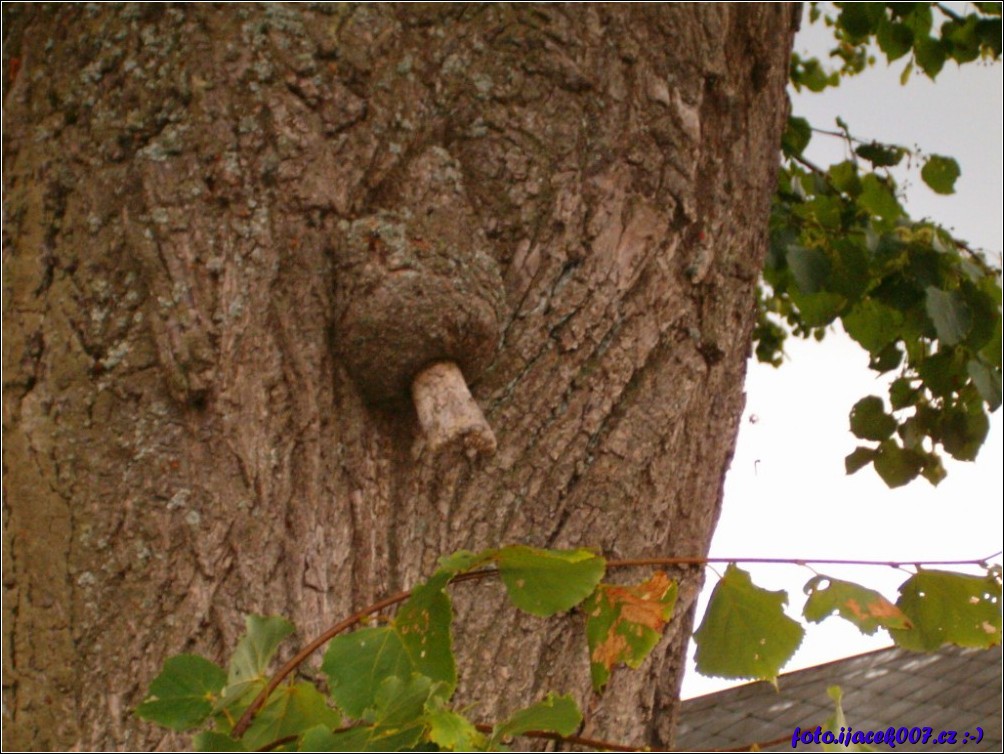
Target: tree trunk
<point>184,442</point>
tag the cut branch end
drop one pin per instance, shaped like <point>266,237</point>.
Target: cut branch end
<point>448,412</point>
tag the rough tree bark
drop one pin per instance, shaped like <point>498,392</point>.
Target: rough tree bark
<point>182,441</point>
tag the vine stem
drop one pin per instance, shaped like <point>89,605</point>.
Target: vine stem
<point>309,649</point>
<point>294,662</point>
<point>639,562</point>
<point>592,743</point>
<point>357,617</point>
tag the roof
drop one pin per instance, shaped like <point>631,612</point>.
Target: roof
<point>954,689</point>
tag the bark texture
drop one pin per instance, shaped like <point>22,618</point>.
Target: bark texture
<point>183,443</point>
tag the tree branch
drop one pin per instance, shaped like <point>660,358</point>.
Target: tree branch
<point>949,12</point>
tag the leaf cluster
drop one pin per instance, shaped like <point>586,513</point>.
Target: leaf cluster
<point>927,34</point>
<point>925,306</point>
<point>391,687</point>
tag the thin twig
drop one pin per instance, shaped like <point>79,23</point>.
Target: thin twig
<point>847,136</point>
<point>808,164</point>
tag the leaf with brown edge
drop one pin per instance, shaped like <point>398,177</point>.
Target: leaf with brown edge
<point>624,623</point>
<point>865,608</point>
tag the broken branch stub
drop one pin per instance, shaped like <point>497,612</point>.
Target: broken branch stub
<point>448,413</point>
<point>417,289</point>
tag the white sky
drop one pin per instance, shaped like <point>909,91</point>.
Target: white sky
<point>786,494</point>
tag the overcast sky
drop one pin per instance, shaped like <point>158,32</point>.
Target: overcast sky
<point>786,494</point>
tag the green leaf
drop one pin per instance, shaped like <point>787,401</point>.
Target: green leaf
<point>213,741</point>
<point>838,723</point>
<point>964,42</point>
<point>254,651</point>
<point>745,633</point>
<point>400,703</point>
<point>365,738</point>
<point>362,738</point>
<point>950,608</point>
<point>949,313</point>
<point>796,136</point>
<point>940,173</point>
<point>844,176</point>
<point>945,372</point>
<point>451,730</point>
<point>545,582</point>
<point>902,393</point>
<point>930,55</point>
<point>987,381</point>
<point>247,673</point>
<point>933,471</point>
<point>811,74</point>
<point>872,324</point>
<point>917,428</point>
<point>818,309</point>
<point>809,267</point>
<point>858,459</point>
<point>290,710</point>
<point>464,560</point>
<point>880,155</point>
<point>869,421</point>
<point>896,465</point>
<point>354,739</point>
<point>962,432</point>
<point>861,19</point>
<point>984,310</point>
<point>557,714</point>
<point>865,608</point>
<point>919,18</point>
<point>825,210</point>
<point>423,624</point>
<point>905,75</point>
<point>894,39</point>
<point>184,693</point>
<point>319,738</point>
<point>878,200</point>
<point>988,31</point>
<point>397,716</point>
<point>887,359</point>
<point>417,642</point>
<point>624,623</point>
<point>357,663</point>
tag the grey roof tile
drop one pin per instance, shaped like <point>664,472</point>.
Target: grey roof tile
<point>953,689</point>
